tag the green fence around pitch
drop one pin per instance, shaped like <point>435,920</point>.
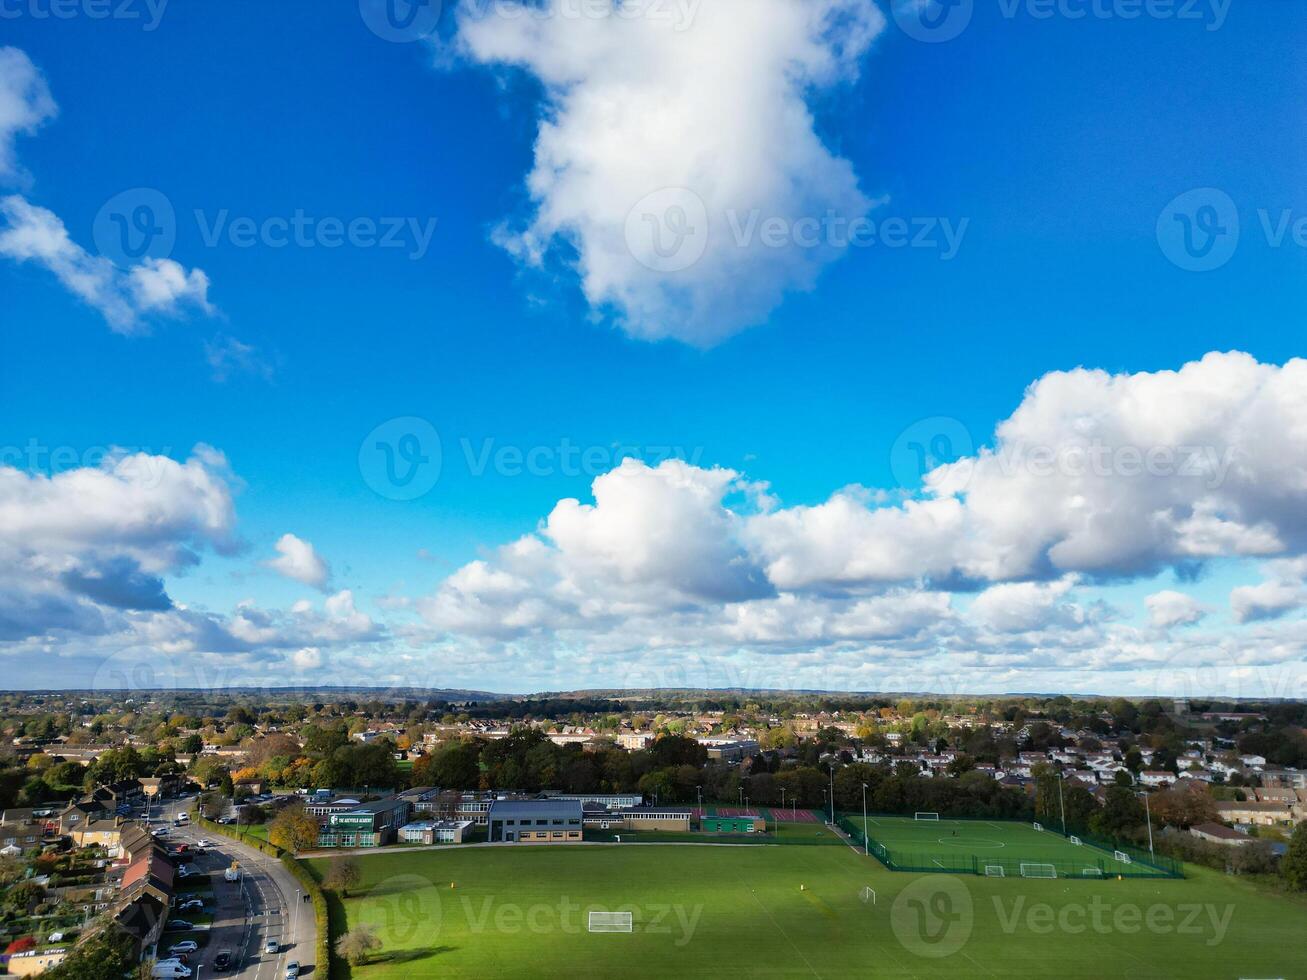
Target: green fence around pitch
<point>1095,860</point>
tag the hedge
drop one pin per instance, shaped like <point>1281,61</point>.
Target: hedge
<point>323,953</point>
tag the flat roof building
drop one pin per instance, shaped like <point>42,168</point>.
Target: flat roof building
<point>534,821</point>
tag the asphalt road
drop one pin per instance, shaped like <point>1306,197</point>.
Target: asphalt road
<point>267,903</point>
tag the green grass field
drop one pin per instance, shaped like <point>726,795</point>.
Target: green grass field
<point>798,911</point>
<point>971,846</point>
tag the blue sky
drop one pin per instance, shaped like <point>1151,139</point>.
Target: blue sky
<point>1054,142</point>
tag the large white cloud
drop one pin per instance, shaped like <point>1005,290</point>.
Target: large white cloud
<point>78,546</point>
<point>704,106</point>
<point>1094,476</point>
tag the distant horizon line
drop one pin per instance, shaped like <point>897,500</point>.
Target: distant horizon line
<point>478,694</point>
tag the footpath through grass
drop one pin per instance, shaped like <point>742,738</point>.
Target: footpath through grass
<point>778,911</point>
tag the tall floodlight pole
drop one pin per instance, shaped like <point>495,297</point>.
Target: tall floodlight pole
<point>866,843</point>
<point>1148,813</point>
<point>832,794</point>
<point>1060,805</point>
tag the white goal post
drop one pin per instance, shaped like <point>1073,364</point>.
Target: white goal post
<point>925,815</point>
<point>1037,825</point>
<point>1121,856</point>
<point>1077,841</point>
<point>1092,873</point>
<point>1038,871</point>
<point>994,871</point>
<point>610,921</point>
<point>868,895</point>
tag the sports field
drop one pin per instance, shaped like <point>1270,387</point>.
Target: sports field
<point>775,911</point>
<point>997,848</point>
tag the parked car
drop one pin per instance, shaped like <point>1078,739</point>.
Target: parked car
<point>178,925</point>
<point>223,960</point>
<point>272,947</point>
<point>185,946</point>
<point>292,969</point>
<point>170,970</point>
<point>56,937</point>
<point>191,903</point>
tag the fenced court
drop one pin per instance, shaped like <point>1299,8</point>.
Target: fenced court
<point>999,849</point>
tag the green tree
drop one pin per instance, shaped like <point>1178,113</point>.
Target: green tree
<point>1294,863</point>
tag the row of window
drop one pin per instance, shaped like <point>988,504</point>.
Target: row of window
<point>511,822</point>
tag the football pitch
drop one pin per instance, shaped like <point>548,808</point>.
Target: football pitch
<point>992,847</point>
<point>774,910</point>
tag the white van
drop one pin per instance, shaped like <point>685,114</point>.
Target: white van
<point>170,970</point>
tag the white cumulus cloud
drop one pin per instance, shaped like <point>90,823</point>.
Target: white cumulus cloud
<point>25,103</point>
<point>668,134</point>
<point>1170,608</point>
<point>296,559</point>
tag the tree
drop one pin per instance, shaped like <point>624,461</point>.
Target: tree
<point>1294,863</point>
<point>356,945</point>
<point>106,954</point>
<point>23,896</point>
<point>1121,813</point>
<point>342,875</point>
<point>293,829</point>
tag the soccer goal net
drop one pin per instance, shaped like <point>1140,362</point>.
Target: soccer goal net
<point>1076,840</point>
<point>610,921</point>
<point>994,871</point>
<point>1038,871</point>
<point>868,895</point>
<point>1092,873</point>
<point>923,815</point>
<point>1037,826</point>
<point>1121,856</point>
